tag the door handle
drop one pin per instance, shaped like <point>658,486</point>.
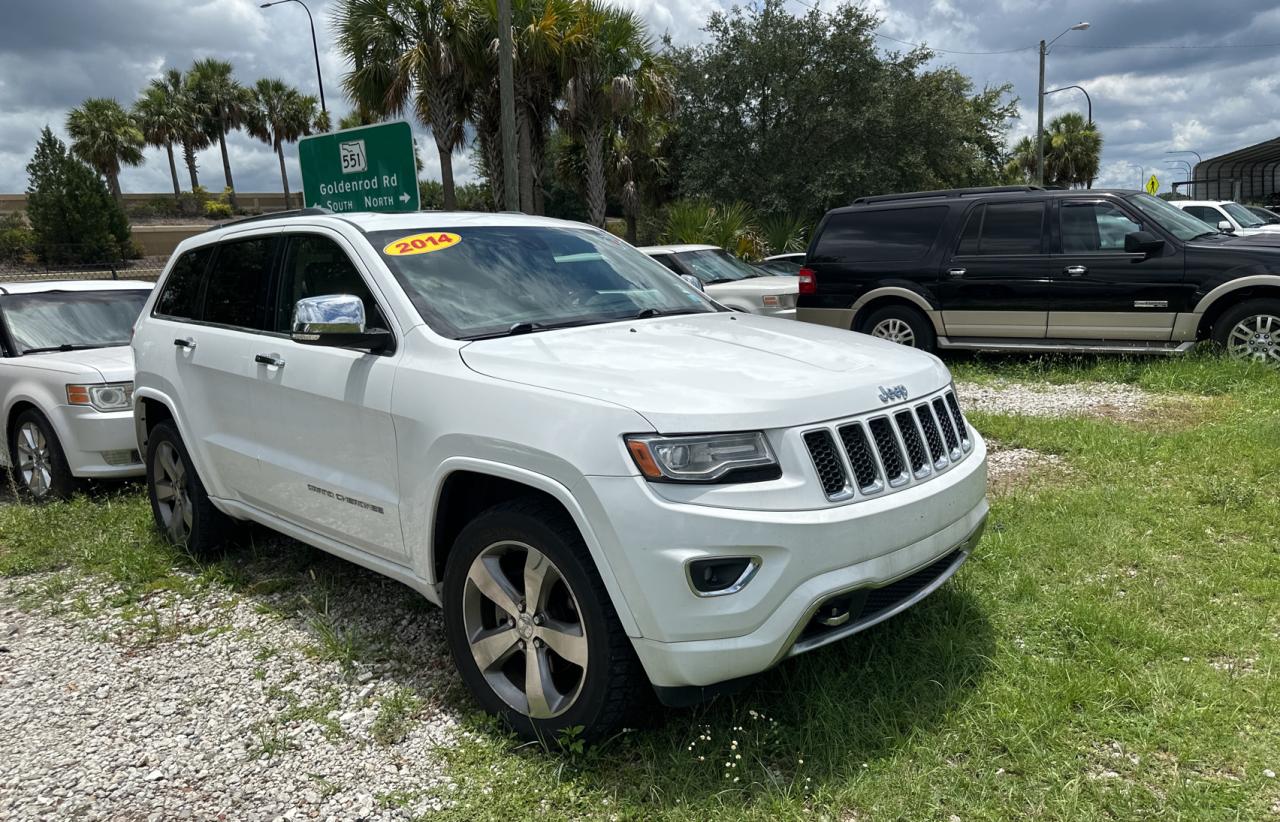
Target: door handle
<point>269,359</point>
<point>185,342</point>
<point>955,272</point>
<point>1075,271</point>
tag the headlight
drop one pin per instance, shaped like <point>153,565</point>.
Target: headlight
<point>103,396</point>
<point>744,457</point>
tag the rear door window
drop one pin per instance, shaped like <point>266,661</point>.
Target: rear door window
<point>180,298</point>
<point>881,235</point>
<point>1004,229</point>
<point>236,292</point>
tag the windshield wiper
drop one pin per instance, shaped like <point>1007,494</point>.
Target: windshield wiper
<point>527,327</point>
<point>646,313</point>
<point>720,281</point>
<point>69,347</point>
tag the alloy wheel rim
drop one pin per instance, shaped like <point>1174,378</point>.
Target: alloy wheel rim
<point>524,629</point>
<point>34,459</point>
<point>172,496</point>
<point>895,330</point>
<point>1256,338</point>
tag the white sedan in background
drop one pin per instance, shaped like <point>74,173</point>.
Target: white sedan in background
<point>1227,216</point>
<point>66,382</point>
<point>731,282</point>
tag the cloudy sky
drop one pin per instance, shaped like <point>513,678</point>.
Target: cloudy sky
<point>1155,85</point>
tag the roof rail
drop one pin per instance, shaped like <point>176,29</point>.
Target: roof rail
<point>311,211</point>
<point>946,192</point>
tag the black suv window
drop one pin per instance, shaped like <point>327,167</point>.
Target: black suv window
<point>181,296</point>
<point>1004,228</point>
<point>316,266</point>
<point>882,235</point>
<point>1094,227</point>
<point>237,283</point>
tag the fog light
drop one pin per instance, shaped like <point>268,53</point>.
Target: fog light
<point>720,576</point>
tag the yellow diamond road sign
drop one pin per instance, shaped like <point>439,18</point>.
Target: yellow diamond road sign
<point>1153,185</point>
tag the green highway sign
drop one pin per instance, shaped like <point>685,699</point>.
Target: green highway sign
<point>370,168</point>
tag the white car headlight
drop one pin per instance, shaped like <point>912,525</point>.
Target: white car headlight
<point>740,457</point>
<point>103,396</point>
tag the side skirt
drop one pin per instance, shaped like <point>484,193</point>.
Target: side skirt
<point>1078,346</point>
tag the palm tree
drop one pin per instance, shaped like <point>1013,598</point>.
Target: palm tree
<point>164,117</point>
<point>224,103</point>
<point>604,51</point>
<point>106,137</point>
<point>1022,161</point>
<point>1073,149</point>
<point>280,114</point>
<point>410,53</point>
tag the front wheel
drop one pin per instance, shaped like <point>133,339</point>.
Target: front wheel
<point>902,325</point>
<point>531,628</point>
<point>38,462</point>
<point>1251,331</point>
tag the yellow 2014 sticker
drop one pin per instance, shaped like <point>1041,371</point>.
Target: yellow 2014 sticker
<point>423,243</point>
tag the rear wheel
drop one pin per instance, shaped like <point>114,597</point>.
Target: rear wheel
<point>901,324</point>
<point>182,509</point>
<point>531,628</point>
<point>39,465</point>
<point>1251,332</point>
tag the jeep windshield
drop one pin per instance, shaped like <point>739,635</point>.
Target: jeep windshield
<point>492,281</point>
<point>70,320</point>
<point>1172,219</point>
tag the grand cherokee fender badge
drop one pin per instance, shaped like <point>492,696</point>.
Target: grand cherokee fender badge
<point>893,392</point>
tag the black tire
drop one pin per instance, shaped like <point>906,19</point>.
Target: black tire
<point>51,478</point>
<point>1246,312</point>
<point>921,329</point>
<point>205,531</point>
<point>612,681</point>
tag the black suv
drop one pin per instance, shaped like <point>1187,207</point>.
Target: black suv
<point>1025,268</point>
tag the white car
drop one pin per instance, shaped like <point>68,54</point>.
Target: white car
<point>1227,216</point>
<point>66,382</point>
<point>608,481</point>
<point>730,281</point>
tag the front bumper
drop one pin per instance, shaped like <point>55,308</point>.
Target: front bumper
<point>807,557</point>
<point>99,444</point>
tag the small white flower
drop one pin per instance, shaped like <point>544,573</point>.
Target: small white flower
<point>1269,774</point>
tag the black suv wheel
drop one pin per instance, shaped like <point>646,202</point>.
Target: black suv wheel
<point>1251,331</point>
<point>902,325</point>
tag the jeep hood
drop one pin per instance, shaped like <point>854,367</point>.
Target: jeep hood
<point>713,372</point>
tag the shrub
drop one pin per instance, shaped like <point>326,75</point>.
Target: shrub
<point>732,227</point>
<point>16,238</point>
<point>217,210</point>
<point>74,219</point>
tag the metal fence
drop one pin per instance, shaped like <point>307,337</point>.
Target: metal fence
<point>72,262</point>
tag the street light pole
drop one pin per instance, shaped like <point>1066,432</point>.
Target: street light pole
<point>1044,49</point>
<point>315,49</point>
<point>507,99</point>
<point>1088,100</point>
<point>1199,160</point>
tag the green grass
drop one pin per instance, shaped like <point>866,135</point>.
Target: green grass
<point>1112,650</point>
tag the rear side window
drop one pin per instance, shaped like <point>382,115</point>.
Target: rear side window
<point>180,298</point>
<point>237,288</point>
<point>884,235</point>
<point>1004,228</point>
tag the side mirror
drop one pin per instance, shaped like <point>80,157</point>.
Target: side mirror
<point>1225,225</point>
<point>1142,242</point>
<point>336,320</point>
<point>693,281</point>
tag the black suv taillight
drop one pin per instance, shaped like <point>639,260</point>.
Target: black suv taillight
<point>808,281</point>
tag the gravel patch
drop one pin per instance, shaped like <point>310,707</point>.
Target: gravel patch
<point>1009,468</point>
<point>1111,400</point>
<point>215,705</point>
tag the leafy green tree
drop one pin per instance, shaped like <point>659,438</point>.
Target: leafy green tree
<point>797,114</point>
<point>608,68</point>
<point>280,114</point>
<point>223,102</point>
<point>165,118</point>
<point>410,53</point>
<point>73,216</point>
<point>106,137</point>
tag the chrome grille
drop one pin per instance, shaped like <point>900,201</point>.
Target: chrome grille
<point>884,452</point>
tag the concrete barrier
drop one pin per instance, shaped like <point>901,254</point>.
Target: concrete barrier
<point>250,201</point>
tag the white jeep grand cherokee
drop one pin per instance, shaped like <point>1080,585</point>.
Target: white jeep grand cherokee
<point>606,480</point>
